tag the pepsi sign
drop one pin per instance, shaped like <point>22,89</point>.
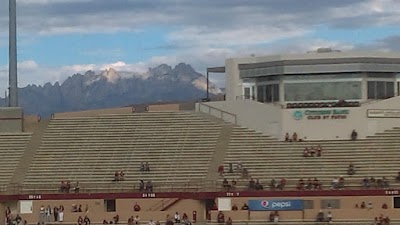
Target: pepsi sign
<point>276,205</point>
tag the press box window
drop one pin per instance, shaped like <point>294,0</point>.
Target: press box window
<point>109,205</point>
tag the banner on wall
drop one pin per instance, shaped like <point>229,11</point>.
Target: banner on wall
<point>276,205</point>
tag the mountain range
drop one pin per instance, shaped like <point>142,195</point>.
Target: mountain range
<point>111,88</point>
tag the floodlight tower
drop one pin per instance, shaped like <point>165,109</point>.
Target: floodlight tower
<point>12,77</point>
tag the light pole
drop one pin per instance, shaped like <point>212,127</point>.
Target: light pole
<point>12,77</point>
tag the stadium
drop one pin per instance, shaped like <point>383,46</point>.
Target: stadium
<point>184,154</point>
<point>299,139</point>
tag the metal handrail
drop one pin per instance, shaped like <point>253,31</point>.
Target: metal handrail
<point>222,112</point>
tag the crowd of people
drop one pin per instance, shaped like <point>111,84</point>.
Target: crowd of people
<point>51,214</point>
<point>375,183</point>
<point>310,184</point>
<point>312,151</point>
<point>65,187</point>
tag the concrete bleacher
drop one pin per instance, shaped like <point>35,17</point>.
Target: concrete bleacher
<point>177,145</point>
<point>12,147</point>
<point>267,158</point>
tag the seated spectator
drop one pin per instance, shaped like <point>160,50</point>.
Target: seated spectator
<point>142,167</point>
<point>350,169</point>
<point>245,173</point>
<point>317,184</point>
<point>384,206</point>
<point>398,176</point>
<point>320,216</point>
<point>276,217</point>
<point>221,170</point>
<point>312,151</point>
<point>370,205</point>
<point>220,217</point>
<point>136,220</point>
<point>245,207</point>
<point>372,181</point>
<point>230,168</point>
<point>151,222</point>
<point>306,152</point>
<point>80,220</point>
<point>77,187</point>
<point>335,183</point>
<point>116,176</point>
<point>239,167</point>
<point>258,185</point>
<point>121,175</point>
<point>384,182</point>
<point>149,186</point>
<point>309,185</point>
<point>300,184</point>
<point>252,184</point>
<point>282,184</point>
<point>294,137</point>
<point>329,217</point>
<point>147,167</point>
<point>225,184</point>
<point>177,217</point>
<point>105,222</point>
<point>235,208</point>
<point>67,187</point>
<point>287,138</point>
<point>141,185</point>
<point>272,184</point>
<point>80,208</point>
<point>363,206</point>
<point>136,207</point>
<point>233,183</point>
<point>116,219</point>
<point>366,183</point>
<point>354,135</point>
<point>62,186</point>
<point>319,151</point>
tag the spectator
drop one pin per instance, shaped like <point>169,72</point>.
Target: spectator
<point>300,184</point>
<point>136,220</point>
<point>77,187</point>
<point>245,173</point>
<point>136,207</point>
<point>80,208</point>
<point>221,170</point>
<point>142,167</point>
<point>294,137</point>
<point>55,213</point>
<point>282,184</point>
<point>385,182</point>
<point>329,217</point>
<point>258,185</point>
<point>245,207</point>
<point>61,213</point>
<point>48,212</point>
<point>384,206</point>
<point>341,182</point>
<point>398,176</point>
<point>239,167</point>
<point>306,152</point>
<point>319,151</point>
<point>272,184</point>
<point>370,205</point>
<point>177,217</point>
<point>366,183</point>
<point>149,186</point>
<point>129,222</point>
<point>225,184</point>
<point>67,187</point>
<point>350,169</point>
<point>141,185</point>
<point>276,217</point>
<point>252,184</point>
<point>320,216</point>
<point>147,167</point>
<point>230,168</point>
<point>354,135</point>
<point>235,208</point>
<point>271,216</point>
<point>309,184</point>
<point>62,186</point>
<point>335,183</point>
<point>287,138</point>
<point>220,217</point>
<point>317,184</point>
<point>229,221</point>
<point>86,220</point>
<point>151,222</point>
<point>80,220</point>
<point>185,217</point>
<point>233,183</point>
<point>312,151</point>
<point>363,206</point>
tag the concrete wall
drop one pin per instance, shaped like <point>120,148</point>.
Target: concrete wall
<point>264,118</point>
<point>347,210</point>
<point>11,119</point>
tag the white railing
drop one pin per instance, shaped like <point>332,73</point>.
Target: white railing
<point>219,113</point>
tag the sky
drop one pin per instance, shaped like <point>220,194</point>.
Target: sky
<point>58,38</point>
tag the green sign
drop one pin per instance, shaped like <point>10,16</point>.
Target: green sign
<point>321,114</point>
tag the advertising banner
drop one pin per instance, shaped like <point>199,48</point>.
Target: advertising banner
<point>276,205</point>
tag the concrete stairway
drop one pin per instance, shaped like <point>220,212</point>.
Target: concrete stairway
<point>38,130</point>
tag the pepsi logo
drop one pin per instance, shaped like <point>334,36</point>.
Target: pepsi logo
<point>265,204</point>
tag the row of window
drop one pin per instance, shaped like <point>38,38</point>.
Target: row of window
<point>318,91</point>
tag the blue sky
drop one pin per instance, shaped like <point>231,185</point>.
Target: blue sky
<point>58,38</point>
